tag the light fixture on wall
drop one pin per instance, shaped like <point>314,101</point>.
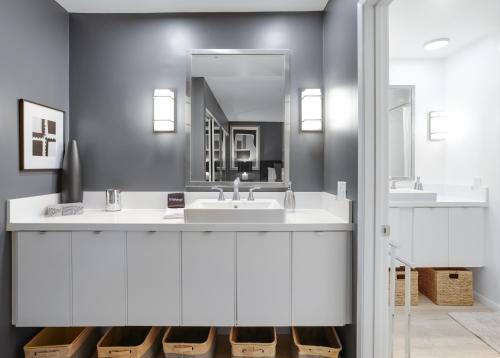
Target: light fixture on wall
<point>436,44</point>
<point>438,126</point>
<point>311,110</point>
<point>164,110</point>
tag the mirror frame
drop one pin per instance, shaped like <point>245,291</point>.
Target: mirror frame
<point>194,184</point>
<point>412,126</point>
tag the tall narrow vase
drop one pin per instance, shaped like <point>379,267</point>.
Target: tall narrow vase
<point>72,188</point>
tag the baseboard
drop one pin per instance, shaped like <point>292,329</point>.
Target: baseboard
<point>486,301</point>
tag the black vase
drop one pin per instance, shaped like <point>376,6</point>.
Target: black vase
<point>72,188</point>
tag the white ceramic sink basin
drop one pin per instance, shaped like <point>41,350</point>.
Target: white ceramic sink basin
<point>411,195</point>
<point>228,211</point>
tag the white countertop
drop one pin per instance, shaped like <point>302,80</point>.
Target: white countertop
<point>448,196</point>
<point>441,202</point>
<point>327,214</point>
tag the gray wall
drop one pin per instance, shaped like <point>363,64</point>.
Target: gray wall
<point>341,119</point>
<point>33,65</point>
<point>117,61</point>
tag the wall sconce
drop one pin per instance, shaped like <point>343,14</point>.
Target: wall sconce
<point>164,110</point>
<point>438,126</point>
<point>311,110</point>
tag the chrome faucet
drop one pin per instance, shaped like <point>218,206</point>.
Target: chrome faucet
<point>221,192</point>
<point>236,190</point>
<point>250,193</point>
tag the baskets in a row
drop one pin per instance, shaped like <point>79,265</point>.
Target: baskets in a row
<point>443,286</point>
<point>178,342</point>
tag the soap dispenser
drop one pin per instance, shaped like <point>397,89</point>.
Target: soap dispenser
<point>289,203</point>
<point>418,185</point>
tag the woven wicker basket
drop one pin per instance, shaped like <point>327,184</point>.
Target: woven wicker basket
<point>130,342</point>
<point>400,287</point>
<point>447,286</point>
<point>194,342</point>
<point>249,342</point>
<point>315,342</point>
<point>63,342</point>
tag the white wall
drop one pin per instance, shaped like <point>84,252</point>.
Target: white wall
<point>428,78</point>
<point>473,148</point>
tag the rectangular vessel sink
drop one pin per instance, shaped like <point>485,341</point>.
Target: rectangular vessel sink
<point>228,211</point>
<point>411,195</point>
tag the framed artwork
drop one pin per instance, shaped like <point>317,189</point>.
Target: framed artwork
<point>41,132</point>
<point>245,146</point>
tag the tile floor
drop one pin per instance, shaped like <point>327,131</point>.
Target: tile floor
<point>436,335</point>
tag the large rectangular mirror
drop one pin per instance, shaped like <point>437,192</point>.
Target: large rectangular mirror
<point>237,117</point>
<point>401,132</point>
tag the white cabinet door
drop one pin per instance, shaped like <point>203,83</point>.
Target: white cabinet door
<point>42,279</point>
<point>321,281</point>
<point>99,285</point>
<point>467,237</point>
<point>208,275</point>
<point>430,237</point>
<point>263,278</point>
<point>153,275</point>
<point>401,222</point>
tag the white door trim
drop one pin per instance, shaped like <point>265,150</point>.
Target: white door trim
<point>373,82</point>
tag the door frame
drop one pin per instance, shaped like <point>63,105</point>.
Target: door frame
<point>373,245</point>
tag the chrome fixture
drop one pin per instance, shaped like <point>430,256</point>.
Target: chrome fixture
<point>113,200</point>
<point>250,193</point>
<point>418,185</point>
<point>221,192</point>
<point>236,189</point>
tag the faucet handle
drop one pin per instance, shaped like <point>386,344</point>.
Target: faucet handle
<point>250,192</point>
<point>221,192</point>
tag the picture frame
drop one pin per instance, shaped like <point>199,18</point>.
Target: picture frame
<point>41,136</point>
<point>245,145</point>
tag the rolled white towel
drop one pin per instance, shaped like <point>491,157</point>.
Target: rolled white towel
<point>171,213</point>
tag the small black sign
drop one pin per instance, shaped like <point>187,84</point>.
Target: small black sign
<point>176,200</point>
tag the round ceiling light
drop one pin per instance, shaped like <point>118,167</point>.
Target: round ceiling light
<point>436,44</point>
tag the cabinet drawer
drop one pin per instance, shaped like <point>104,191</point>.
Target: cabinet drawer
<point>42,279</point>
<point>208,275</point>
<point>467,237</point>
<point>321,282</point>
<point>430,237</point>
<point>263,278</point>
<point>153,277</point>
<point>99,285</point>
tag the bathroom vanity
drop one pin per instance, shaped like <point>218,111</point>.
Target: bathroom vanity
<point>135,268</point>
<point>441,230</point>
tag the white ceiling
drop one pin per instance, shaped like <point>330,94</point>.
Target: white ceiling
<point>415,22</point>
<point>155,6</point>
<point>248,88</point>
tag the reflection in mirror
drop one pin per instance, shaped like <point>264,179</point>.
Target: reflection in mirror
<point>401,132</point>
<point>238,124</point>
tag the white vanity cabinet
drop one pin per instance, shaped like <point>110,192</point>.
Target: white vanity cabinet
<point>439,236</point>
<point>42,279</point>
<point>188,278</point>
<point>321,277</point>
<point>263,278</point>
<point>153,275</point>
<point>99,278</point>
<point>208,278</point>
